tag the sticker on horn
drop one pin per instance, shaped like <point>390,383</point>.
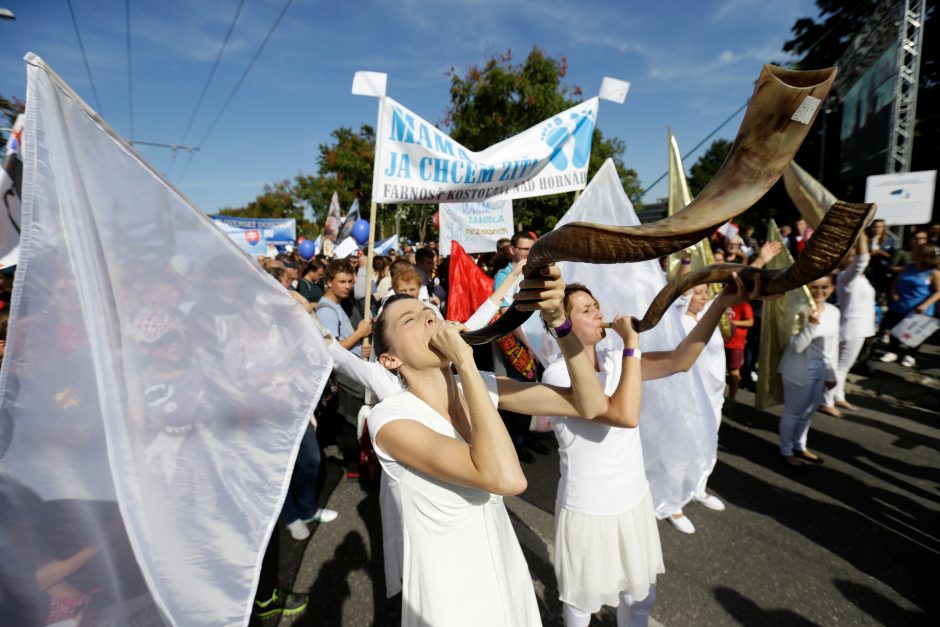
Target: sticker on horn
<point>804,113</point>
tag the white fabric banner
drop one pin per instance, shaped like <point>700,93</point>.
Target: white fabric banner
<point>417,163</point>
<point>476,226</point>
<point>677,421</point>
<point>155,389</point>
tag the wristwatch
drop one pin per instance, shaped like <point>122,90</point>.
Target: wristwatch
<point>632,352</point>
<point>561,330</point>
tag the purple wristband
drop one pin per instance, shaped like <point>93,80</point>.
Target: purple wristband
<point>686,262</point>
<point>632,352</point>
<point>562,329</point>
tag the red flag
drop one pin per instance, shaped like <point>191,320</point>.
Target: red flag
<point>469,286</point>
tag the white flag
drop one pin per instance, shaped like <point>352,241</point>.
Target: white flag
<point>154,391</point>
<point>417,163</point>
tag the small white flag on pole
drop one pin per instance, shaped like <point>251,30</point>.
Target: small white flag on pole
<point>614,89</point>
<point>369,84</point>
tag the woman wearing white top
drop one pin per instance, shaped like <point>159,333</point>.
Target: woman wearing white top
<point>383,384</point>
<point>857,306</point>
<point>808,369</point>
<point>443,440</point>
<point>607,549</point>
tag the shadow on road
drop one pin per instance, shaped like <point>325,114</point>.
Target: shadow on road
<point>747,612</point>
<point>885,534</point>
<point>876,605</point>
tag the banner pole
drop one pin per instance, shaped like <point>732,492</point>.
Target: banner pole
<point>369,271</point>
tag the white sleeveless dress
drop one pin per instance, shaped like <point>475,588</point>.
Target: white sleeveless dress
<point>462,560</point>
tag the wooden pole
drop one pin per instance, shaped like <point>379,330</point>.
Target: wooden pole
<point>369,271</point>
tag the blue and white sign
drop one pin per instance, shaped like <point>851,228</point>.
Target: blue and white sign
<point>476,226</point>
<point>905,198</point>
<point>417,163</point>
<point>277,231</point>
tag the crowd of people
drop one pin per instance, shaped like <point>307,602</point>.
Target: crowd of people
<point>410,397</point>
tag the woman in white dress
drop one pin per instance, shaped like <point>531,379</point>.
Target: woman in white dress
<point>607,549</point>
<point>808,369</point>
<point>713,367</point>
<point>443,442</point>
<point>383,384</point>
<point>856,297</point>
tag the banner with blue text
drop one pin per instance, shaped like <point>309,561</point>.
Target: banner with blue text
<point>476,226</point>
<point>418,163</point>
<point>277,231</point>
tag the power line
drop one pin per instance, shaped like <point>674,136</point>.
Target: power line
<point>130,81</point>
<point>241,80</point>
<point>697,146</point>
<point>81,46</point>
<point>245,73</point>
<point>841,19</point>
<point>215,66</point>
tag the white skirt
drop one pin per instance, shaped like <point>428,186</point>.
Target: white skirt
<point>598,557</point>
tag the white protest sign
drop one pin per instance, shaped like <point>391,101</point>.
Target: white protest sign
<point>345,248</point>
<point>902,198</point>
<point>417,163</point>
<point>915,329</point>
<point>476,226</point>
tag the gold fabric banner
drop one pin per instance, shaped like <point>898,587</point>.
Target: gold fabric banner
<point>810,197</point>
<point>680,196</point>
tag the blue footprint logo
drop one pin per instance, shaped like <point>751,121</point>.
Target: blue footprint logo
<point>555,135</point>
<point>583,135</point>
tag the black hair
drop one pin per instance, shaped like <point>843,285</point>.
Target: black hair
<point>380,339</point>
<point>521,235</point>
<point>425,253</point>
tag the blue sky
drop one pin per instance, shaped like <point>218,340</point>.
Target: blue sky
<point>691,64</point>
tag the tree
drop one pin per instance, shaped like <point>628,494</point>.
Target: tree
<point>824,39</point>
<point>502,99</point>
<point>821,41</point>
<point>708,165</point>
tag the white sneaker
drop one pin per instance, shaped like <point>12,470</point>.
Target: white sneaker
<point>298,530</point>
<point>682,523</point>
<point>887,358</point>
<point>711,502</point>
<point>907,361</point>
<point>323,515</point>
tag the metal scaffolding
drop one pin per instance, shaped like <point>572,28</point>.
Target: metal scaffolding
<point>910,45</point>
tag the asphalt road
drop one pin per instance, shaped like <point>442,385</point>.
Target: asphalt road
<point>854,541</point>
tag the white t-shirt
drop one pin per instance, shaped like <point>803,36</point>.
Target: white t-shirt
<point>601,467</point>
<point>856,300</point>
<point>407,406</point>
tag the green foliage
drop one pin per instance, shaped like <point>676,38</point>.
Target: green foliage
<point>708,165</point>
<point>824,39</point>
<point>502,99</point>
<point>487,106</point>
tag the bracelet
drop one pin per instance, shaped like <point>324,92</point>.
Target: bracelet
<point>561,330</point>
<point>686,262</point>
<point>632,352</point>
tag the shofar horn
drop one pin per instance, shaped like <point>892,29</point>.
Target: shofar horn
<point>834,237</point>
<point>782,109</point>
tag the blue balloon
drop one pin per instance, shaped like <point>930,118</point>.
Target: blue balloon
<point>307,249</point>
<point>360,231</point>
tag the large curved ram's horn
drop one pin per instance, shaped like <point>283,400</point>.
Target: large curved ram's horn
<point>782,108</point>
<point>825,249</point>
